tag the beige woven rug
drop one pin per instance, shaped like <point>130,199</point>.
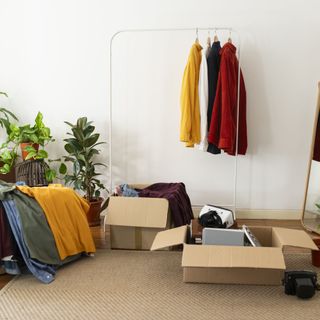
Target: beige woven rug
<point>147,285</point>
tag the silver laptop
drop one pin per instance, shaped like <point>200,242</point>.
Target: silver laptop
<point>224,237</point>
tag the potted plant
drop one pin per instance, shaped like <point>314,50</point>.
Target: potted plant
<point>82,151</point>
<point>29,139</point>
<point>5,117</point>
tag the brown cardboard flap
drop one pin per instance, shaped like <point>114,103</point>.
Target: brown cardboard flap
<point>137,212</point>
<point>171,237</point>
<point>233,257</point>
<point>295,238</point>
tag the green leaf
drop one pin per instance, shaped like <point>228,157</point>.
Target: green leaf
<point>77,184</point>
<point>66,158</point>
<point>6,111</point>
<point>38,120</point>
<point>68,179</point>
<point>81,122</point>
<point>100,164</point>
<point>78,134</point>
<point>5,169</point>
<point>75,144</point>
<point>33,138</point>
<point>3,93</point>
<point>97,144</point>
<point>88,142</point>
<point>30,149</point>
<point>92,152</point>
<point>88,130</point>
<point>69,148</point>
<point>69,124</point>
<point>76,167</point>
<point>30,155</point>
<point>42,154</point>
<point>50,174</point>
<point>62,168</point>
<point>6,155</point>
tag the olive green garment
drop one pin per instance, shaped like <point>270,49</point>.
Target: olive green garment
<point>36,231</point>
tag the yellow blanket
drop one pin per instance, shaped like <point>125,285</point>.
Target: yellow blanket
<point>65,211</point>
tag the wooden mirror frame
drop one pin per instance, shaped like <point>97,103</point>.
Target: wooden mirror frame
<point>316,230</point>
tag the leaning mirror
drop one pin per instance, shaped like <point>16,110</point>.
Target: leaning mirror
<point>311,207</point>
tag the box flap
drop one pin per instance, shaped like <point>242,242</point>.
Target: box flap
<point>171,237</point>
<point>137,212</point>
<point>232,257</point>
<point>290,237</point>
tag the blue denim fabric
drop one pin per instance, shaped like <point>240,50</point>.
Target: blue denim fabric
<point>128,192</point>
<point>41,271</point>
<point>10,266</point>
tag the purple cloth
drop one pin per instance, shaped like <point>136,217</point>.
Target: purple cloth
<point>8,245</point>
<point>176,194</point>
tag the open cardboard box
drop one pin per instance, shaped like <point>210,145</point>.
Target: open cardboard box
<point>233,264</point>
<point>134,222</point>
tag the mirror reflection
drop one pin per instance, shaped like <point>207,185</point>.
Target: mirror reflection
<point>311,214</point>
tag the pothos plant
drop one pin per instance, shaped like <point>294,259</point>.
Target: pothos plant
<point>38,134</point>
<point>82,151</point>
<point>6,115</point>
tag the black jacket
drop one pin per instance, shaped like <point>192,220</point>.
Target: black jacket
<point>213,61</point>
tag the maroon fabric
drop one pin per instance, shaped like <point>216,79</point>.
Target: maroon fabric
<point>176,194</point>
<point>223,126</point>
<point>8,245</point>
<point>316,149</point>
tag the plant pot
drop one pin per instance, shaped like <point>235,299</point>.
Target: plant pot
<point>93,215</point>
<point>8,177</point>
<point>24,152</point>
<point>315,255</point>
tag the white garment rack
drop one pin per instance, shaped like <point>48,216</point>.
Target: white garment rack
<point>195,29</point>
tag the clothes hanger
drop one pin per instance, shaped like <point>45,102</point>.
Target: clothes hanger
<point>197,38</point>
<point>208,40</point>
<point>215,39</point>
<point>229,39</point>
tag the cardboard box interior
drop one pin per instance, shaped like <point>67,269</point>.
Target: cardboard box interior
<point>234,264</point>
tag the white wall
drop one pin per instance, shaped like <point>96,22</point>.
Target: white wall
<point>54,58</point>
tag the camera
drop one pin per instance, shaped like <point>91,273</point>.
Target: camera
<point>212,216</point>
<point>303,284</point>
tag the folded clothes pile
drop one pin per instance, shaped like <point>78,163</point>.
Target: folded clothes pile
<point>41,229</point>
<point>175,193</point>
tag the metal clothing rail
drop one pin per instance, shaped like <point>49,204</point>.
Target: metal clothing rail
<point>195,29</point>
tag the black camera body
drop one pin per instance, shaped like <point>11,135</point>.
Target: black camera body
<point>303,284</point>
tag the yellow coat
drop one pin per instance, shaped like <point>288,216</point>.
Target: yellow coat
<point>189,100</point>
<point>65,211</point>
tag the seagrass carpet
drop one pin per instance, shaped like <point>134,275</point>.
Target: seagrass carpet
<point>147,285</point>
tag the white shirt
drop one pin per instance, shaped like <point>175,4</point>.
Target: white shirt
<point>203,100</point>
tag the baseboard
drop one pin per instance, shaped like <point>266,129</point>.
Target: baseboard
<point>261,214</point>
<point>268,214</point>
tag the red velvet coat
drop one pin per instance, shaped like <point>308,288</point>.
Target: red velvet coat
<point>223,126</point>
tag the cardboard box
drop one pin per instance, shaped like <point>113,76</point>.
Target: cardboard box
<point>232,264</point>
<point>134,222</point>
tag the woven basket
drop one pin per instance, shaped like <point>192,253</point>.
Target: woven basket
<point>32,172</point>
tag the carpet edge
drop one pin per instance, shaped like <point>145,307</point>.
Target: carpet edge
<point>9,284</point>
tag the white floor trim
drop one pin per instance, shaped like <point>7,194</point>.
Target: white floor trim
<point>268,214</point>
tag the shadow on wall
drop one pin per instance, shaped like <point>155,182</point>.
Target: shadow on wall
<point>259,124</point>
